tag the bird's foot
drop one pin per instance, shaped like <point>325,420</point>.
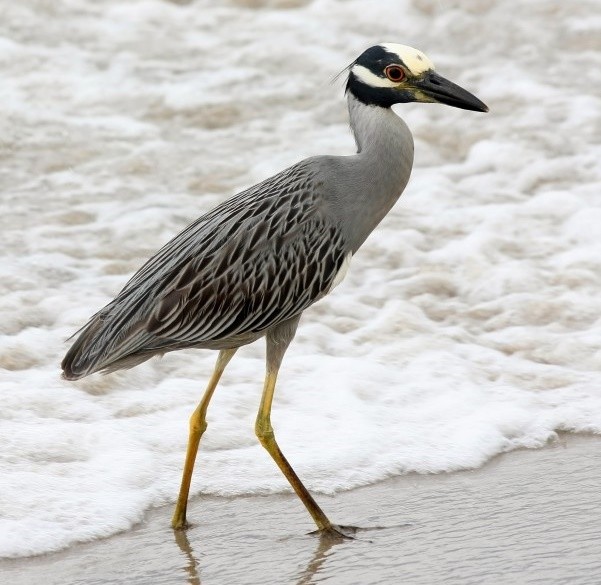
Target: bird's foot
<point>179,522</point>
<point>336,532</point>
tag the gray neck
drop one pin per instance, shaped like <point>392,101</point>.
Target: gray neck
<point>374,178</point>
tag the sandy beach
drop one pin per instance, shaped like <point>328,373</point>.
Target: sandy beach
<point>530,516</point>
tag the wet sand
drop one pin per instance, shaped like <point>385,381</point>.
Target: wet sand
<point>530,516</point>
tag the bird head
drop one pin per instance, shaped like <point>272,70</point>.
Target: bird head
<point>389,74</point>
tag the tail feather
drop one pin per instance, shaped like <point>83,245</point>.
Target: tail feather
<point>99,347</point>
<point>78,363</point>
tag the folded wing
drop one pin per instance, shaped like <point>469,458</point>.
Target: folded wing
<point>258,259</point>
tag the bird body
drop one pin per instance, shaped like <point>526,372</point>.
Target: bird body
<point>252,265</point>
<point>259,258</point>
<point>224,280</point>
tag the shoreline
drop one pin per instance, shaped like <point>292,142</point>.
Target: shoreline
<point>526,516</point>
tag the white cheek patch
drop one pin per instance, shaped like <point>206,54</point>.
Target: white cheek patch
<point>366,76</point>
<point>415,60</point>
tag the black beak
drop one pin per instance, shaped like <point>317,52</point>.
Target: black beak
<point>446,92</point>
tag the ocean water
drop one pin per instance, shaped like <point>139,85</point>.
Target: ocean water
<point>469,323</point>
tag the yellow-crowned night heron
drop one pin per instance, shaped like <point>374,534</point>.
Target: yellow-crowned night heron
<point>252,265</point>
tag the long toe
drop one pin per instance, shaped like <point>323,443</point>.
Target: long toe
<point>336,532</point>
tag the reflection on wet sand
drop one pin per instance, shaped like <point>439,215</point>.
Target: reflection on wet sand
<point>184,545</point>
<point>325,543</point>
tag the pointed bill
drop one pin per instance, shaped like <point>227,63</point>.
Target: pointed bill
<point>442,90</point>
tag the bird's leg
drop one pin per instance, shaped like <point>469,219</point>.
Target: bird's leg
<point>277,343</point>
<point>198,425</point>
<point>265,433</point>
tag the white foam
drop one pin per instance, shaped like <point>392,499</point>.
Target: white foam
<point>468,326</point>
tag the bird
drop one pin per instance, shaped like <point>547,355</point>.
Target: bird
<point>252,265</point>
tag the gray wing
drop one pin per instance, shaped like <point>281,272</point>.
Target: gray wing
<point>259,258</point>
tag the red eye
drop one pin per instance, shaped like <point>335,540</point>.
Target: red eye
<point>394,73</point>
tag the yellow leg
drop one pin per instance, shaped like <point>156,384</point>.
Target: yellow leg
<point>265,433</point>
<point>198,425</point>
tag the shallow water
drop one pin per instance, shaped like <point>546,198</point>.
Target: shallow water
<point>467,326</point>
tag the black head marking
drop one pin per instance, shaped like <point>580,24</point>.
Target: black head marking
<point>376,59</point>
<point>384,97</point>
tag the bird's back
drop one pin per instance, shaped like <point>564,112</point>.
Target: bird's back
<point>259,258</point>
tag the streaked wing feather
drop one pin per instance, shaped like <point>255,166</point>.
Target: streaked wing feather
<point>261,257</point>
<point>248,295</point>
